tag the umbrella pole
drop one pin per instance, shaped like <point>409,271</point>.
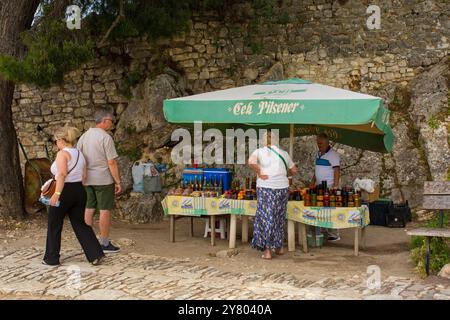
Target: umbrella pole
<point>291,140</point>
<point>291,223</point>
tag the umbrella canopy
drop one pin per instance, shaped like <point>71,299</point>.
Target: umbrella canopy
<point>348,117</point>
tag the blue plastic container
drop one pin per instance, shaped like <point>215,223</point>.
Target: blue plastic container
<point>215,173</point>
<point>189,175</point>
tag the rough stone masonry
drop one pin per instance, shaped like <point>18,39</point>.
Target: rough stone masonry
<point>405,62</point>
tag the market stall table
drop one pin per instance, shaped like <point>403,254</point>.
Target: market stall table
<point>184,206</point>
<point>325,217</point>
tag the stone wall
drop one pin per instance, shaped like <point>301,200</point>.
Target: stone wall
<point>405,62</point>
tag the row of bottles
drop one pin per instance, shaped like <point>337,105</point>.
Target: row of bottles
<point>246,192</point>
<point>209,187</point>
<point>321,196</point>
<point>294,194</point>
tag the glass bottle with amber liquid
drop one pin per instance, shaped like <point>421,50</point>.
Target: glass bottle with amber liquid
<point>332,198</point>
<point>220,188</point>
<point>320,196</point>
<point>344,197</point>
<point>291,191</point>
<point>357,198</point>
<point>314,197</point>
<point>338,198</point>
<point>307,198</point>
<point>351,199</point>
<point>326,198</point>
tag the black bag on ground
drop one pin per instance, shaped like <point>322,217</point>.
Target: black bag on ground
<point>399,214</point>
<point>378,211</point>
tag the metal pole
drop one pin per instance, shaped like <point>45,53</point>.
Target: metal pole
<point>427,258</point>
<point>441,218</point>
<point>291,140</point>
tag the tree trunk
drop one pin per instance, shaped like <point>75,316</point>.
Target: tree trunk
<point>15,17</point>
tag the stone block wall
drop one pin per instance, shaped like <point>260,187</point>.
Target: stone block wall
<point>323,41</point>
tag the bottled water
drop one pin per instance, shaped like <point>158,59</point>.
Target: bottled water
<point>46,201</point>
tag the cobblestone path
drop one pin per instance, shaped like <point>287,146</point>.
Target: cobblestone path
<point>136,276</point>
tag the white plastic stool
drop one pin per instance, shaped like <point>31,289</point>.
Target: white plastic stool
<point>220,230</point>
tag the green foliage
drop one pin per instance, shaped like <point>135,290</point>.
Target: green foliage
<point>396,102</point>
<point>130,81</point>
<point>53,50</point>
<point>130,130</point>
<point>231,70</point>
<point>433,123</point>
<point>256,47</point>
<point>283,17</point>
<point>440,250</point>
<point>157,18</point>
<point>264,7</point>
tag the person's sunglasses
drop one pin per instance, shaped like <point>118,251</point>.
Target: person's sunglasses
<point>109,119</point>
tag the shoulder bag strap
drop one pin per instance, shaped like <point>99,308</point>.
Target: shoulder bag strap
<point>78,156</point>
<point>281,157</point>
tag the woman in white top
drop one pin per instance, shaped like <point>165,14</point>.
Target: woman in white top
<point>69,171</point>
<point>272,166</point>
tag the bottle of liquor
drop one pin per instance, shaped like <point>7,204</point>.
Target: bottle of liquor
<point>320,196</point>
<point>237,187</point>
<point>351,199</point>
<point>291,191</point>
<point>332,198</point>
<point>195,183</point>
<point>344,197</point>
<point>324,186</point>
<point>326,198</point>
<point>314,197</point>
<point>206,185</point>
<point>357,198</point>
<point>338,198</point>
<point>220,186</point>
<point>307,198</point>
<point>191,184</point>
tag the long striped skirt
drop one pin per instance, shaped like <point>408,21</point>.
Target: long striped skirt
<point>268,229</point>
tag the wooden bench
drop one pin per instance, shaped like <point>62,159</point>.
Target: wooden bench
<point>436,196</point>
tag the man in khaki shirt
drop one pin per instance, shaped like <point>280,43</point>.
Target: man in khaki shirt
<point>102,180</point>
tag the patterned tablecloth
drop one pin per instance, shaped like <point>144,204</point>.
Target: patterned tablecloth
<point>327,217</point>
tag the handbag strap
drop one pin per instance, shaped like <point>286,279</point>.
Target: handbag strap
<point>281,157</point>
<point>78,156</point>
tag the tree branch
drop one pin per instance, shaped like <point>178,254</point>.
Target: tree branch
<point>119,17</point>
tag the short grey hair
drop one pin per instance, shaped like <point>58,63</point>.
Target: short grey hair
<point>102,113</point>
